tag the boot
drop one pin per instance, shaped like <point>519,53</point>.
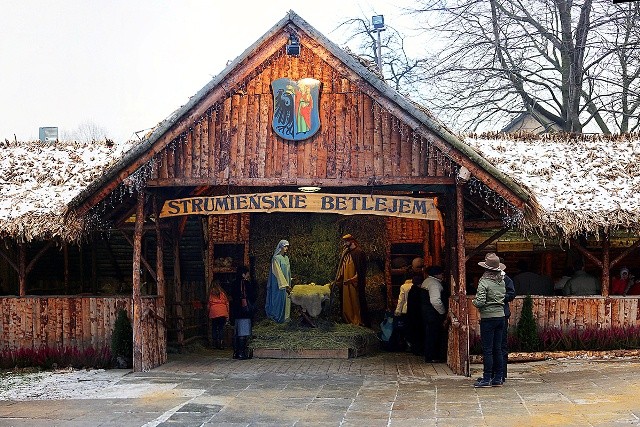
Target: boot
<point>220,345</point>
<point>244,351</point>
<point>236,348</point>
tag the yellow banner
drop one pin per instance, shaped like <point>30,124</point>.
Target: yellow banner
<point>343,204</point>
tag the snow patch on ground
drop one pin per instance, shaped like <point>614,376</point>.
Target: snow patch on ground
<point>75,384</point>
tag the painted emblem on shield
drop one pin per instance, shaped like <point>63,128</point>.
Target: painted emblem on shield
<point>295,108</point>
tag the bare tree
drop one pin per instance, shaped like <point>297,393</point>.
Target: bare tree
<point>619,72</point>
<point>399,69</point>
<point>86,131</point>
<point>571,63</point>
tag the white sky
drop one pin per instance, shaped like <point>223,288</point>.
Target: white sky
<point>125,65</point>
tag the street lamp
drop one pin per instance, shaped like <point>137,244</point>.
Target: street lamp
<point>378,27</point>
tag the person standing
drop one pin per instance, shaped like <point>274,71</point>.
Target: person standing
<point>415,328</point>
<point>490,303</point>
<point>352,275</point>
<point>242,308</point>
<point>218,308</point>
<point>401,324</point>
<point>278,305</point>
<point>582,283</point>
<point>433,313</point>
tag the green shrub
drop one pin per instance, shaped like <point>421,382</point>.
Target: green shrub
<point>527,329</point>
<point>122,340</point>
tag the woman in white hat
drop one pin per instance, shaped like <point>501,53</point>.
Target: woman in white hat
<point>490,302</point>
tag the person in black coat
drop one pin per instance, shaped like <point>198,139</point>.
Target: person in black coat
<point>415,325</point>
<point>243,302</point>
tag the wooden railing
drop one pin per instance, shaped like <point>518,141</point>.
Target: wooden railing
<point>571,312</point>
<point>77,321</point>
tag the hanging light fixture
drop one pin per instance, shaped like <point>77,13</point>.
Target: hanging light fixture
<point>309,189</point>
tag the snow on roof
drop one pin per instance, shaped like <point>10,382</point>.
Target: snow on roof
<point>38,179</point>
<point>582,183</point>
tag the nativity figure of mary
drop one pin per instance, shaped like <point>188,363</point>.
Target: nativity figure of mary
<point>278,305</point>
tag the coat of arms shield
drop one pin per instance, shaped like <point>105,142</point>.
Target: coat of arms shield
<point>295,108</point>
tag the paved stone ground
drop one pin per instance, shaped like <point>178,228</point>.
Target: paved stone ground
<point>390,389</point>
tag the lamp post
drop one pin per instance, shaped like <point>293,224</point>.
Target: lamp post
<point>378,27</point>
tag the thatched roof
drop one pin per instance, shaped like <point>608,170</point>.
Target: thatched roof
<point>37,181</point>
<point>582,183</point>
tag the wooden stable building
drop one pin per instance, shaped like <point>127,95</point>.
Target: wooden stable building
<point>187,198</point>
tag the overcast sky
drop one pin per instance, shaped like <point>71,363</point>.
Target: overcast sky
<point>125,65</point>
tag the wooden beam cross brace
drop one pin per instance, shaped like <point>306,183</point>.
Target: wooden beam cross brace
<point>486,243</point>
<point>144,261</point>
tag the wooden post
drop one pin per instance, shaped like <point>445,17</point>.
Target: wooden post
<point>209,268</point>
<point>65,252</point>
<point>160,282</point>
<point>137,299</point>
<point>22,268</point>
<point>463,316</point>
<point>94,265</point>
<point>177,288</point>
<point>81,266</point>
<point>606,246</point>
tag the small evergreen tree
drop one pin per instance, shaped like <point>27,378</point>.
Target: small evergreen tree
<point>122,340</point>
<point>527,329</point>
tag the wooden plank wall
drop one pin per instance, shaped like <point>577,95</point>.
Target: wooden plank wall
<point>570,312</point>
<point>357,138</point>
<point>82,322</point>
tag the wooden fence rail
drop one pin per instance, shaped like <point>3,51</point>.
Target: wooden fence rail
<point>571,312</point>
<point>81,322</point>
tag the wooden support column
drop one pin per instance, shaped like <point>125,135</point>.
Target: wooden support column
<point>160,282</point>
<point>606,247</point>
<point>94,265</point>
<point>208,231</point>
<point>65,253</point>
<point>177,288</point>
<point>463,316</point>
<point>137,299</point>
<point>22,268</point>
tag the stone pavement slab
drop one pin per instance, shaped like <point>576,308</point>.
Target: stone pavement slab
<point>389,389</point>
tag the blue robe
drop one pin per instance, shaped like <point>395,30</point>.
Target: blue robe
<point>278,305</point>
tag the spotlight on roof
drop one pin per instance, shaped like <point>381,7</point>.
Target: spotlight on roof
<point>293,47</point>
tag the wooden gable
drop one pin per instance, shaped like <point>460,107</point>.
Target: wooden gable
<point>369,134</point>
<point>359,140</point>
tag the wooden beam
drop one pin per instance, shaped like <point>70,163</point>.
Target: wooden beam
<point>626,252</point>
<point>293,182</point>
<point>142,259</point>
<point>463,318</point>
<point>177,288</point>
<point>218,92</point>
<point>483,224</point>
<point>586,253</point>
<point>138,343</point>
<point>492,238</point>
<point>22,268</point>
<point>160,280</point>
<point>65,254</point>
<point>38,256</point>
<point>606,247</point>
<point>8,259</point>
